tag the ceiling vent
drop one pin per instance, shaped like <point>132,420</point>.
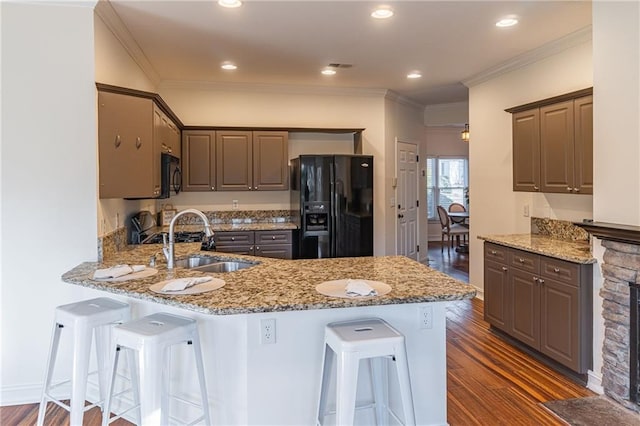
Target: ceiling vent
<point>340,65</point>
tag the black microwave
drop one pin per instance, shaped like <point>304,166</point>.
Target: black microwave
<point>170,176</point>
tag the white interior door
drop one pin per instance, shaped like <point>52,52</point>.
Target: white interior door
<point>407,199</point>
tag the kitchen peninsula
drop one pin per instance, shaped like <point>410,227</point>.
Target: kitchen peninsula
<point>254,383</point>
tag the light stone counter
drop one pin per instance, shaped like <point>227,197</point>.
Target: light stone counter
<point>275,285</point>
<point>572,251</point>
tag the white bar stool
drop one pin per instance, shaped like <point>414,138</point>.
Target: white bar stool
<point>83,318</point>
<point>152,337</point>
<point>351,341</point>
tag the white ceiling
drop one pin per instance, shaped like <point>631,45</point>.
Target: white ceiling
<point>289,42</point>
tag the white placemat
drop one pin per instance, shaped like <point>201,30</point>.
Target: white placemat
<point>214,284</point>
<point>337,288</point>
<point>145,273</point>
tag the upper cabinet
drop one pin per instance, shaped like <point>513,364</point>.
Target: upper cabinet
<point>553,145</point>
<point>129,161</point>
<point>235,160</point>
<point>133,131</point>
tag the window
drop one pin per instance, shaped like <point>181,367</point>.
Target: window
<point>447,181</point>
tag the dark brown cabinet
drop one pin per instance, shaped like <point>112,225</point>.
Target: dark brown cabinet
<point>133,132</point>
<point>234,160</point>
<point>553,145</point>
<point>274,244</point>
<point>543,302</point>
<point>128,147</point>
<point>199,160</point>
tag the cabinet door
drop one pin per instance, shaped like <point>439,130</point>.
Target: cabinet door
<point>125,147</point>
<point>270,161</point>
<point>234,161</point>
<point>496,295</point>
<point>526,151</point>
<point>583,173</point>
<point>525,307</point>
<point>556,147</point>
<point>560,337</point>
<point>198,160</point>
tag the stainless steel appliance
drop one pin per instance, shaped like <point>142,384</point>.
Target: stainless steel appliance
<point>333,199</point>
<point>171,176</point>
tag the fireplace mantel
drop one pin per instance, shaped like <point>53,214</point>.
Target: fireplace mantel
<point>628,234</point>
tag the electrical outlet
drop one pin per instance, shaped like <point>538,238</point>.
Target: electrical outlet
<point>267,331</point>
<point>525,210</point>
<point>234,204</point>
<point>425,317</point>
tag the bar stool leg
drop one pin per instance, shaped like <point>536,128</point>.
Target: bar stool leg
<point>150,370</point>
<point>380,380</point>
<point>165,380</point>
<point>402,367</point>
<point>327,366</point>
<point>81,352</point>
<point>53,353</point>
<point>103,347</point>
<point>106,412</point>
<point>203,386</point>
<point>346,388</point>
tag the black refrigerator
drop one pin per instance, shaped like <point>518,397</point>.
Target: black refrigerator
<point>332,204</point>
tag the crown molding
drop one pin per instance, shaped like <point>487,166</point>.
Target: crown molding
<point>112,20</point>
<point>403,100</point>
<point>271,88</point>
<point>576,38</point>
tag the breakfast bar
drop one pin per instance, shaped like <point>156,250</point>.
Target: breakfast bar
<point>252,381</point>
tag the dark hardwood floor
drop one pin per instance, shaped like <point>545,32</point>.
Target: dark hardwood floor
<point>489,382</point>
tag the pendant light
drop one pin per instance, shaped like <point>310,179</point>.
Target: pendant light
<point>464,135</point>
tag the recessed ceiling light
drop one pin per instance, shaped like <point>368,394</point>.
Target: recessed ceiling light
<point>382,12</point>
<point>414,74</point>
<point>230,3</point>
<point>506,22</point>
<point>228,66</point>
<point>328,71</point>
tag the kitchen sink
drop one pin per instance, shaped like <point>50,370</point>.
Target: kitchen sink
<point>212,264</point>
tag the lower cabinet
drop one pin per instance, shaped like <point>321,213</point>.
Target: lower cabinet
<point>274,244</point>
<point>541,301</point>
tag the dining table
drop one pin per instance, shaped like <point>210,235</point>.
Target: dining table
<point>462,219</point>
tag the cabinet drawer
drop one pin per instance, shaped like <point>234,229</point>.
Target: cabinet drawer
<point>560,270</point>
<point>278,251</point>
<point>524,260</point>
<point>232,237</point>
<point>236,249</point>
<point>495,252</point>
<point>273,237</point>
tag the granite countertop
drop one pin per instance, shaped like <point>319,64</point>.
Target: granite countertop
<point>219,227</point>
<point>572,251</point>
<point>276,285</point>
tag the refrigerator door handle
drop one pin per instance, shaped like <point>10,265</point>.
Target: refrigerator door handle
<point>333,220</point>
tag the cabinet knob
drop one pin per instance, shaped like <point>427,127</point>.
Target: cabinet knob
<point>576,189</point>
<point>521,260</point>
<point>138,142</point>
<point>504,268</point>
<point>541,281</point>
<point>118,141</point>
<point>569,188</point>
<point>556,270</point>
<point>233,238</point>
<point>273,237</point>
<point>213,188</point>
<point>535,188</point>
<point>257,247</point>
<point>494,252</point>
<point>535,278</point>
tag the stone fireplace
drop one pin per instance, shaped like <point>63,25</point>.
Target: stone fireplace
<point>620,294</point>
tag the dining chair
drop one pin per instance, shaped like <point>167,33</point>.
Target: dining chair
<point>457,207</point>
<point>450,230</point>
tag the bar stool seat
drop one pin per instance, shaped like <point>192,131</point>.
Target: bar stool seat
<point>152,337</point>
<point>372,339</point>
<point>83,319</point>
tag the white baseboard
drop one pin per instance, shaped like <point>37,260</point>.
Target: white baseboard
<point>594,382</point>
<point>479,293</point>
<point>20,394</point>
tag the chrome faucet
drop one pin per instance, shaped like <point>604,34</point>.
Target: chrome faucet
<point>169,248</point>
